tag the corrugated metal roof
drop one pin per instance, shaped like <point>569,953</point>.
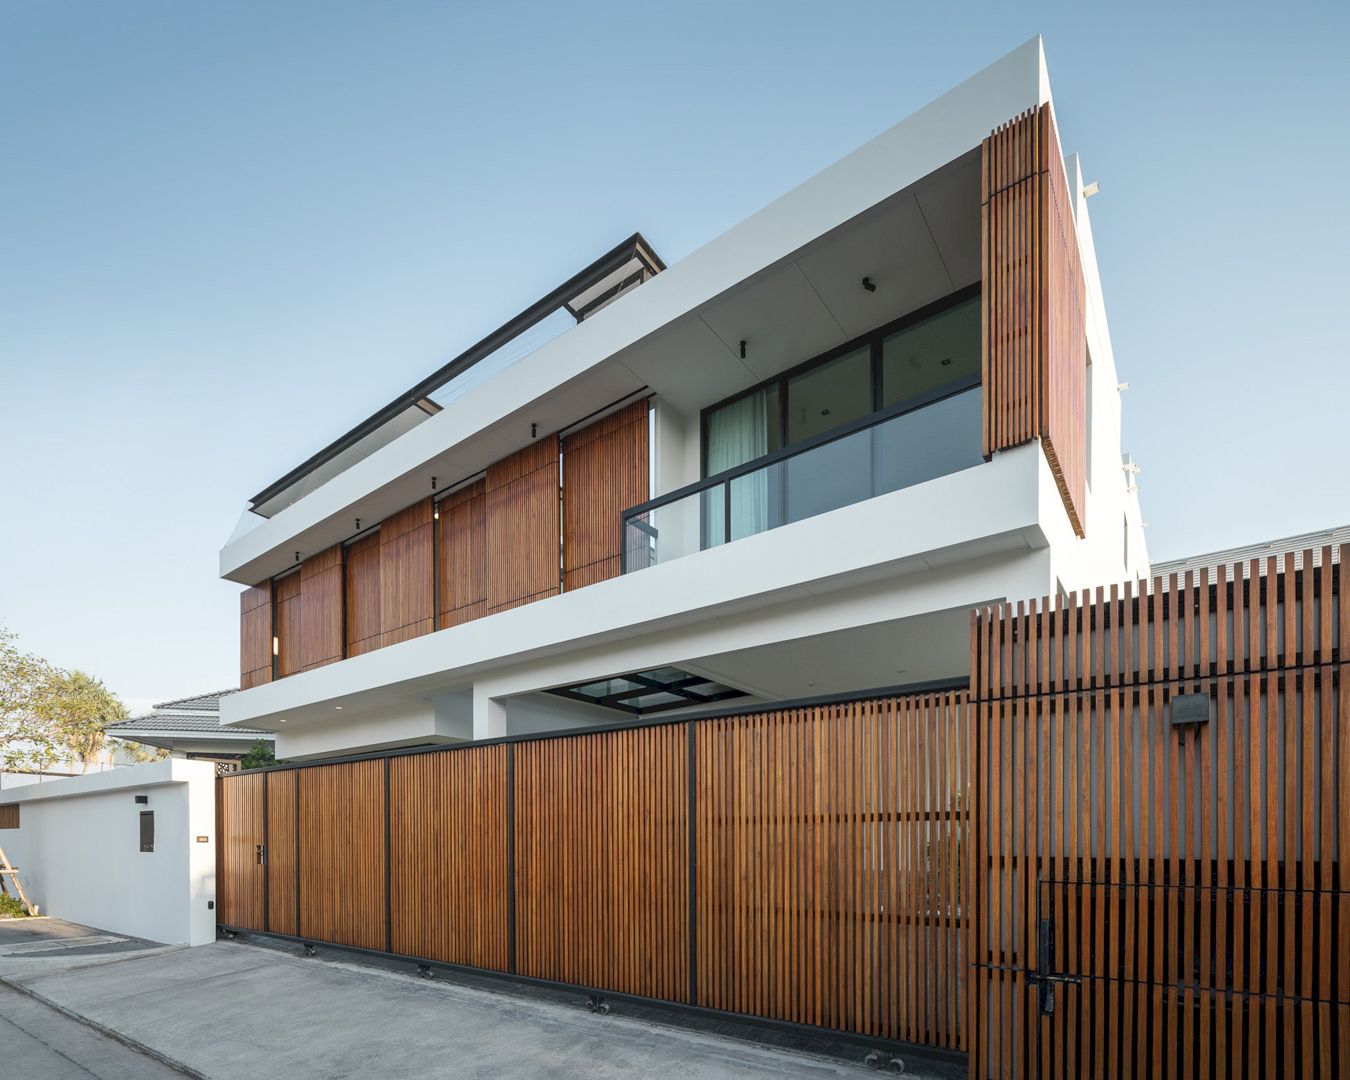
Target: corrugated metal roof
<point>1297,545</point>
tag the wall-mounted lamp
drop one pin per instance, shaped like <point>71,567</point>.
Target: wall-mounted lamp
<point>1122,386</point>
<point>433,483</point>
<point>742,348</point>
<point>534,431</point>
<point>1132,468</point>
<point>276,647</point>
<point>358,524</point>
<point>1091,190</point>
<point>297,556</point>
<point>143,800</point>
<point>869,284</point>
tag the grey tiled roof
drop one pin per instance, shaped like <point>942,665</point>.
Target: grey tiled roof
<point>204,702</point>
<point>207,723</point>
<point>1297,545</point>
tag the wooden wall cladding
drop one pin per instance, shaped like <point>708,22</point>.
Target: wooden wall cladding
<point>605,471</point>
<point>342,854</point>
<point>830,848</point>
<point>601,844</point>
<point>462,551</point>
<point>255,636</point>
<point>448,856</point>
<point>239,831</point>
<point>1033,304</point>
<point>9,817</point>
<point>282,840</point>
<point>523,526</point>
<point>1191,877</point>
<point>406,586</point>
<point>362,599</point>
<point>287,624</point>
<point>321,609</point>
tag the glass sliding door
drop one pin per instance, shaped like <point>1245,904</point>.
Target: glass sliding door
<point>741,431</point>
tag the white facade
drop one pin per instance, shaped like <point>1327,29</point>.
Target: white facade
<point>79,854</point>
<point>869,595</point>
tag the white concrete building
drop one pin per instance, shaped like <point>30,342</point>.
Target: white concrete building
<point>784,467</point>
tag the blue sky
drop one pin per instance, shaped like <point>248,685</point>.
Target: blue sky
<point>230,231</point>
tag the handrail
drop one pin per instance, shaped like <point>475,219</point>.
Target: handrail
<point>633,518</point>
<point>871,420</point>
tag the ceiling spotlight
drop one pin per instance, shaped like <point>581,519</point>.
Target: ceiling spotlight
<point>869,284</point>
<point>742,348</point>
<point>338,707</point>
<point>1091,190</point>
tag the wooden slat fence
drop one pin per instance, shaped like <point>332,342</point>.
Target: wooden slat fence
<point>1188,878</point>
<point>803,864</point>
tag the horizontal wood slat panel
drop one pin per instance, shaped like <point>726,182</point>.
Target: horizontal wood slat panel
<point>1191,876</point>
<point>239,831</point>
<point>523,526</point>
<point>462,551</point>
<point>255,636</point>
<point>605,471</point>
<point>281,864</point>
<point>1033,301</point>
<point>405,574</point>
<point>342,854</point>
<point>601,861</point>
<point>321,609</point>
<point>364,618</point>
<point>830,845</point>
<point>447,828</point>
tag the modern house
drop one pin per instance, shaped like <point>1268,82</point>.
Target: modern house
<point>787,466</point>
<point>190,728</point>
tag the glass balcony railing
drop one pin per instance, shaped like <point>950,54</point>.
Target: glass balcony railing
<point>876,455</point>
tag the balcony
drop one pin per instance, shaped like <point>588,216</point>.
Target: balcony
<point>881,453</point>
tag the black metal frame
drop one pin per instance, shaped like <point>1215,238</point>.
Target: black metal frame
<point>648,685</point>
<point>635,246</point>
<point>872,338</point>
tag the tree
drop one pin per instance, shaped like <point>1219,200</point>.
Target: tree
<point>27,738</point>
<point>79,707</point>
<point>259,756</point>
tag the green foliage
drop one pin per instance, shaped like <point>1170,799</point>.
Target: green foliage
<point>10,908</point>
<point>79,708</point>
<point>259,756</point>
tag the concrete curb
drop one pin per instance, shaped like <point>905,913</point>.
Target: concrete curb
<point>102,1029</point>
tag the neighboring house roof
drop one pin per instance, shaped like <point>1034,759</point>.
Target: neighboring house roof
<point>208,702</point>
<point>189,717</point>
<point>1296,545</point>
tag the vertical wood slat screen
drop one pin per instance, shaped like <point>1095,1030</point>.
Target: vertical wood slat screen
<point>321,609</point>
<point>605,471</point>
<point>829,876</point>
<point>448,857</point>
<point>523,526</point>
<point>462,551</point>
<point>281,850</point>
<point>342,854</point>
<point>823,845</point>
<point>286,612</point>
<point>255,636</point>
<point>1033,304</point>
<point>601,844</point>
<point>239,875</point>
<point>1193,876</point>
<point>362,595</point>
<point>406,574</point>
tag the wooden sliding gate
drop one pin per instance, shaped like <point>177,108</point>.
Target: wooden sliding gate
<point>1162,823</point>
<point>802,865</point>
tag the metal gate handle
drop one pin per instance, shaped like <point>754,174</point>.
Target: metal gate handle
<point>1045,977</point>
<point>261,853</point>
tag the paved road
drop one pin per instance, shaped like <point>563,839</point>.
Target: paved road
<point>235,1009</point>
<point>39,1043</point>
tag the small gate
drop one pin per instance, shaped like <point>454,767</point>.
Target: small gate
<point>1162,817</point>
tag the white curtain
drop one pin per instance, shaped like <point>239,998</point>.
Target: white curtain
<point>737,433</point>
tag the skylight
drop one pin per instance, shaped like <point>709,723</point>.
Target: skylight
<point>651,691</point>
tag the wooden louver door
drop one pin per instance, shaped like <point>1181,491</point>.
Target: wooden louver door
<point>240,871</point>
<point>605,471</point>
<point>523,526</point>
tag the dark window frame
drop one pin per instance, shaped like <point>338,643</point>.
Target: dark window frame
<point>873,338</point>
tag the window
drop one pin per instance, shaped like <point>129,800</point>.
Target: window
<point>147,830</point>
<point>829,395</point>
<point>925,357</point>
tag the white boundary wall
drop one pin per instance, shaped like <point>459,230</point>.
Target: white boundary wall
<point>77,849</point>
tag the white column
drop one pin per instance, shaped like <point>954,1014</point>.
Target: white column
<point>489,715</point>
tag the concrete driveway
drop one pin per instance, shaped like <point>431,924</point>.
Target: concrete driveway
<point>237,1009</point>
